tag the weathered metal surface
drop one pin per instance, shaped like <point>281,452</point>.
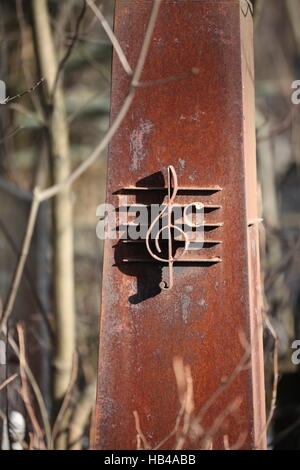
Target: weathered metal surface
<point>202,125</point>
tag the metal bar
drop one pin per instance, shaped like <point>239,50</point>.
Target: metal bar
<point>205,206</point>
<point>183,189</point>
<point>185,260</point>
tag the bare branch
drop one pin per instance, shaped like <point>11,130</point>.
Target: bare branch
<point>35,388</point>
<point>22,260</point>
<point>81,415</point>
<point>275,375</point>
<point>12,243</point>
<point>73,42</point>
<point>8,381</point>
<point>55,189</point>
<point>189,406</point>
<point>24,389</point>
<point>66,401</point>
<point>40,196</point>
<point>112,37</point>
<point>140,436</point>
<point>275,371</point>
<point>238,444</point>
<point>11,133</point>
<point>242,365</point>
<point>26,112</point>
<point>189,425</point>
<point>181,380</point>
<point>26,67</point>
<point>209,435</point>
<point>26,92</point>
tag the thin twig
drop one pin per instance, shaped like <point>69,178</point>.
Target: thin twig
<point>284,125</point>
<point>112,37</point>
<point>175,429</point>
<point>69,51</point>
<point>52,191</point>
<point>81,415</point>
<point>209,435</point>
<point>26,112</point>
<point>55,189</point>
<point>189,407</point>
<point>22,260</point>
<point>8,381</point>
<point>26,67</point>
<point>140,434</point>
<point>275,376</point>
<point>36,390</point>
<point>191,423</point>
<point>11,134</point>
<point>275,371</point>
<point>238,444</point>
<point>181,380</point>
<point>29,279</point>
<point>249,7</point>
<point>26,92</point>
<point>243,363</point>
<point>24,389</point>
<point>66,401</point>
<point>63,18</point>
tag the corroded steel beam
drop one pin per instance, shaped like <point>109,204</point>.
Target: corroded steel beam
<point>196,115</point>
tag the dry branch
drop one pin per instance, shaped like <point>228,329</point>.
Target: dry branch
<point>57,427</point>
<point>22,260</point>
<point>81,414</point>
<point>8,381</point>
<point>35,388</point>
<point>63,185</point>
<point>69,50</point>
<point>25,393</point>
<point>52,191</point>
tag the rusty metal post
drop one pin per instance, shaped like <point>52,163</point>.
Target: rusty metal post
<point>190,131</point>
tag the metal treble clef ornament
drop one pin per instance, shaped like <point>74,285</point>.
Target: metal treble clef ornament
<point>172,192</point>
<point>175,224</point>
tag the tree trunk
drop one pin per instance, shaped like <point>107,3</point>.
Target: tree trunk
<point>62,207</point>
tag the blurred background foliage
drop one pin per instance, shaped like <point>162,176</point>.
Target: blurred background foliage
<point>86,89</point>
<point>277,62</point>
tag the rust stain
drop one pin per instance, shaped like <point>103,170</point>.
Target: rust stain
<point>138,148</point>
